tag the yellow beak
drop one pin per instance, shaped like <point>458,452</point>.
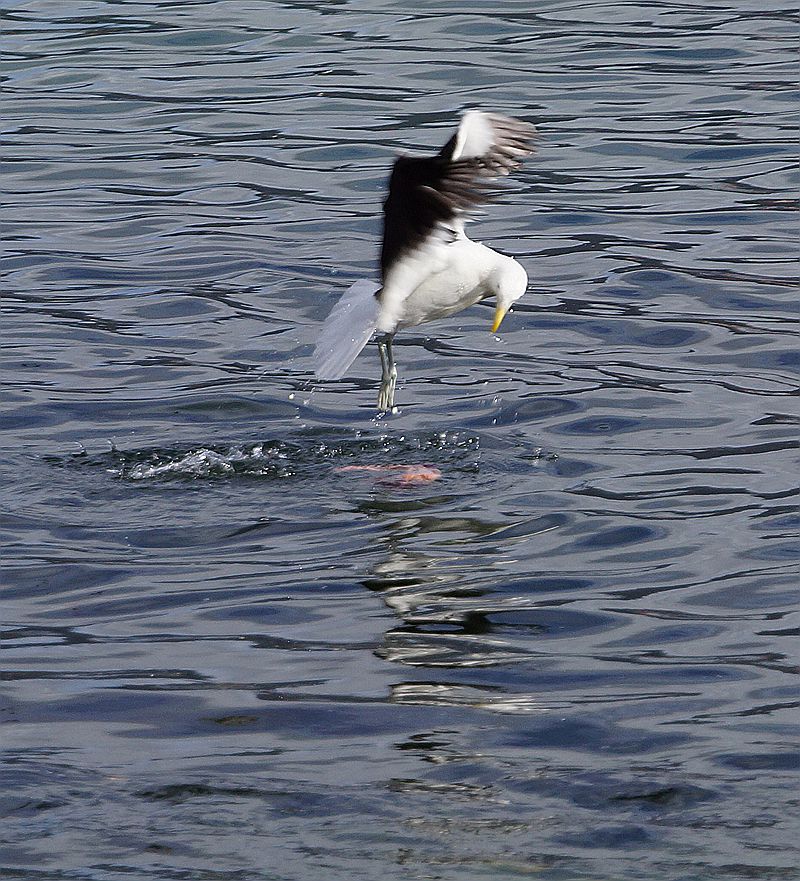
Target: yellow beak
<point>499,315</point>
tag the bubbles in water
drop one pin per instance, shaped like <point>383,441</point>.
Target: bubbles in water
<point>201,463</point>
<point>309,454</point>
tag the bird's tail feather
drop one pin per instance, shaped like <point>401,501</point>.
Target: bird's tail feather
<point>347,330</point>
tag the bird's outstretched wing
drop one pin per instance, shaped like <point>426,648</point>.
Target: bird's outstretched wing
<point>430,196</point>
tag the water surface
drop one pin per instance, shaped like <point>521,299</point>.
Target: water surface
<point>573,656</point>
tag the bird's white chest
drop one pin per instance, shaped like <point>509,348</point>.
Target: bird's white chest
<point>460,284</point>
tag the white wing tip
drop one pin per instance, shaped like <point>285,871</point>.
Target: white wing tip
<point>480,130</point>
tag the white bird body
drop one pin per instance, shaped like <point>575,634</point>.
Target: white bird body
<point>430,269</point>
<point>463,281</point>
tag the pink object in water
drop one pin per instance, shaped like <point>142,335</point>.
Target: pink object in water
<point>396,475</point>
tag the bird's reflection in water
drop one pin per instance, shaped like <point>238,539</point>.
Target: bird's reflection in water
<point>443,601</point>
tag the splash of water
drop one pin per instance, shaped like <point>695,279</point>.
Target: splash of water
<point>307,454</point>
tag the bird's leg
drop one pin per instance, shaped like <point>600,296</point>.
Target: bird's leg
<point>388,374</point>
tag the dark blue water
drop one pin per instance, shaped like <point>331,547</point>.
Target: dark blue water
<point>573,656</point>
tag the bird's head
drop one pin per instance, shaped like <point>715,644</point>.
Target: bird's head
<point>508,282</point>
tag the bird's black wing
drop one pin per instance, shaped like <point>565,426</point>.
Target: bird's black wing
<point>429,196</point>
<point>425,196</point>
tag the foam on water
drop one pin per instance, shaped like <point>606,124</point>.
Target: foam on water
<point>310,454</point>
<point>206,463</point>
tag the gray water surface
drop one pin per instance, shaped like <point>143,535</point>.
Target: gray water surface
<point>229,656</point>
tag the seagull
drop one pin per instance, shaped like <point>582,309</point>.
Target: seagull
<point>429,268</point>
